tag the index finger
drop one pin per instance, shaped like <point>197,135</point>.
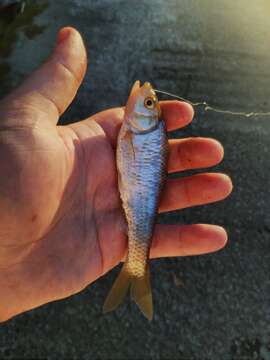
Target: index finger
<point>176,114</point>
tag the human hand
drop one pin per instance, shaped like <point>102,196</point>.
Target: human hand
<point>61,223</point>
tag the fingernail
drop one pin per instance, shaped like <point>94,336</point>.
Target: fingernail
<point>63,34</point>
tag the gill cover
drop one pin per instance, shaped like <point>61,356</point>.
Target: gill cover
<point>142,111</point>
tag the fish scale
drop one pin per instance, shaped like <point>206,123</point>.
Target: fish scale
<point>144,176</point>
<point>141,164</point>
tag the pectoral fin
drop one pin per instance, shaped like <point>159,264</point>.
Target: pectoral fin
<point>128,137</point>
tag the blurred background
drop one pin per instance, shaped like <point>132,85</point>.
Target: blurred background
<point>215,306</point>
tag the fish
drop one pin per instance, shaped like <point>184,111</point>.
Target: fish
<point>141,157</point>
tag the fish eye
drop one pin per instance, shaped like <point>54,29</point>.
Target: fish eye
<point>149,103</point>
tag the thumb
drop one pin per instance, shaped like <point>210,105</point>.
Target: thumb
<point>53,86</point>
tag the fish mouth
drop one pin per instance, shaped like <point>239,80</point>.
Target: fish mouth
<point>147,85</point>
<point>147,89</point>
<point>144,91</point>
<point>136,86</point>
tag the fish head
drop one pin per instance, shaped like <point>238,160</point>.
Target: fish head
<point>142,111</point>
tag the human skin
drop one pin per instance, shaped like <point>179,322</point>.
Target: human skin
<point>61,221</point>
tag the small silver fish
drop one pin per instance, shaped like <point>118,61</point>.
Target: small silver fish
<point>141,163</point>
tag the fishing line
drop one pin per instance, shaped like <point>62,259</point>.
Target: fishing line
<point>208,107</point>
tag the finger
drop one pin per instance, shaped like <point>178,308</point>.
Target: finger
<point>194,190</point>
<point>53,86</point>
<point>176,114</point>
<point>185,240</point>
<point>193,153</point>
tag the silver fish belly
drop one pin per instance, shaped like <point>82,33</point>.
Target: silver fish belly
<point>141,158</point>
<point>142,171</point>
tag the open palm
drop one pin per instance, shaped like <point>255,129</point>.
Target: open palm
<point>61,221</point>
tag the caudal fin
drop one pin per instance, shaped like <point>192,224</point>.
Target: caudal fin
<point>118,291</point>
<point>140,292</point>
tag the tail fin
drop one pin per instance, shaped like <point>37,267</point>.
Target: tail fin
<point>140,292</point>
<point>142,295</point>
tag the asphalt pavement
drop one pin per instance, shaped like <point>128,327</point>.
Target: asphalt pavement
<point>215,306</point>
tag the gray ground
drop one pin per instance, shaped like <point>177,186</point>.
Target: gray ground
<point>216,51</point>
